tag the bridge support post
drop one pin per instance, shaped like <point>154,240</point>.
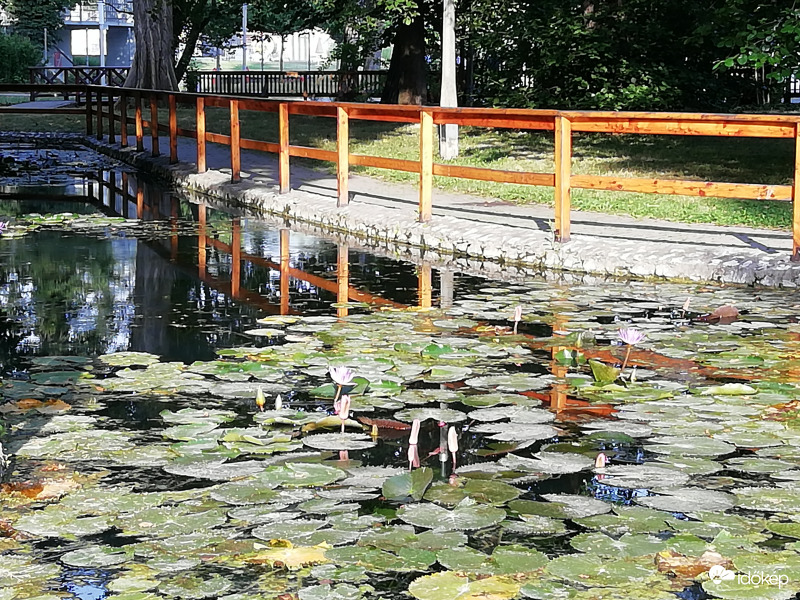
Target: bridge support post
<point>425,165</point>
<point>283,140</point>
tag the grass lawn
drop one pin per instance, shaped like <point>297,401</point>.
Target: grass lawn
<point>745,160</point>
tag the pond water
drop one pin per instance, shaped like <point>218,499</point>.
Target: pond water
<point>142,330</point>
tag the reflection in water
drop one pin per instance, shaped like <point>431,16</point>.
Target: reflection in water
<point>189,279</point>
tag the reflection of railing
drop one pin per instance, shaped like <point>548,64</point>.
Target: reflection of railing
<point>132,200</point>
<point>306,84</point>
<point>105,123</point>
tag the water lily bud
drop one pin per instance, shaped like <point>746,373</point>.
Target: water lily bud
<point>414,437</point>
<point>344,408</point>
<point>278,402</point>
<point>413,456</point>
<point>452,440</point>
<point>260,399</point>
<point>374,432</point>
<point>518,313</point>
<point>601,461</point>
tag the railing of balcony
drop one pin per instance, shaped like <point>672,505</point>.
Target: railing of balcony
<point>117,12</point>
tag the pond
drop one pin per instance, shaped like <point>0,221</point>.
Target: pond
<point>176,382</point>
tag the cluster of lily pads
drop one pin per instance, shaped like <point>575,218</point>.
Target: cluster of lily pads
<point>450,454</point>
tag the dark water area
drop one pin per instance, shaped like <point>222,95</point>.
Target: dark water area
<point>139,328</point>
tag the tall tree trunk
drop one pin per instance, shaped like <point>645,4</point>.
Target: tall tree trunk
<point>152,66</point>
<point>406,79</point>
<point>188,50</point>
<point>448,134</point>
<point>283,44</point>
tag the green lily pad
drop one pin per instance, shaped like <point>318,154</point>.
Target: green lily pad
<point>592,571</point>
<point>339,441</point>
<point>94,557</point>
<point>481,490</point>
<point>467,515</point>
<point>453,586</point>
<point>195,588</point>
<point>412,484</point>
<point>448,415</point>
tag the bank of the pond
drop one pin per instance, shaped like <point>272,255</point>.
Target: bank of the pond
<point>480,229</point>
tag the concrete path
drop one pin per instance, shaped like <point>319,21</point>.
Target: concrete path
<point>43,104</point>
<point>485,228</point>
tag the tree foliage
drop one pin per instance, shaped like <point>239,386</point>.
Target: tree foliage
<point>16,55</point>
<point>32,16</point>
<point>763,36</point>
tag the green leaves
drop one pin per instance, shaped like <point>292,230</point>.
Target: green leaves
<point>412,484</point>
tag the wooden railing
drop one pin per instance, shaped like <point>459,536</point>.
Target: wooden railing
<point>104,123</point>
<point>305,84</point>
<point>66,76</point>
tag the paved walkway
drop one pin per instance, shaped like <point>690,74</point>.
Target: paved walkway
<point>487,229</point>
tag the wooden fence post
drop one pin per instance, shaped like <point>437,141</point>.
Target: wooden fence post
<point>138,124</point>
<point>123,119</point>
<point>236,258</point>
<point>283,142</point>
<point>111,134</point>
<point>796,197</point>
<point>563,160</point>
<point>342,156</point>
<point>236,159</point>
<point>342,279</point>
<point>99,114</point>
<point>284,269</point>
<point>200,118</point>
<point>154,124</point>
<point>173,129</point>
<point>88,111</point>
<point>425,164</point>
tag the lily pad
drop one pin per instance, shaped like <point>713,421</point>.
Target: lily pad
<point>467,515</point>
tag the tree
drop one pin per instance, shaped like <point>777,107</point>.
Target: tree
<point>764,37</point>
<point>284,17</point>
<point>152,66</point>
<point>214,20</point>
<point>31,17</point>
<point>448,134</point>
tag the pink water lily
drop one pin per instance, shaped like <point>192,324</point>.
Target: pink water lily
<point>413,439</point>
<point>631,337</point>
<point>341,375</point>
<point>413,456</point>
<point>517,317</point>
<point>342,408</point>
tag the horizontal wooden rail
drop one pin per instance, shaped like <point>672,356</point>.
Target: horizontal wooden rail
<point>563,124</point>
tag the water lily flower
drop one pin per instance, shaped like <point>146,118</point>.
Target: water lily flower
<point>341,375</point>
<point>630,336</point>
<point>260,399</point>
<point>278,402</point>
<point>452,439</point>
<point>413,456</point>
<point>342,408</point>
<point>452,444</point>
<point>414,437</point>
<point>3,227</point>
<point>517,316</point>
<point>601,461</point>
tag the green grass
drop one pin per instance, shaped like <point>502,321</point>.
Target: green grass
<point>743,160</point>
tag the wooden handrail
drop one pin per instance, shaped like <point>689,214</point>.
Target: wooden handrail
<point>562,123</point>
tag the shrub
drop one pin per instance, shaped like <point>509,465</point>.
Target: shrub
<point>17,53</point>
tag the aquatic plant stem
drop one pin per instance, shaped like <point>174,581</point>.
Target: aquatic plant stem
<point>627,356</point>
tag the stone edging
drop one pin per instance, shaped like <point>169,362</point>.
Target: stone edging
<point>506,246</point>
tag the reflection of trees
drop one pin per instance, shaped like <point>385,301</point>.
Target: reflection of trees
<point>58,291</point>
